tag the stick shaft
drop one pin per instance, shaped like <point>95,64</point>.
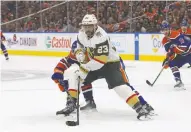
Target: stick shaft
<point>158,76</point>
<point>78,100</point>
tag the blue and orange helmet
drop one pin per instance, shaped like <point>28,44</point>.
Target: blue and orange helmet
<point>184,23</point>
<point>165,25</point>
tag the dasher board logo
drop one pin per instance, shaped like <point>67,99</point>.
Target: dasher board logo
<point>12,41</point>
<point>28,41</point>
<point>156,42</point>
<point>58,42</point>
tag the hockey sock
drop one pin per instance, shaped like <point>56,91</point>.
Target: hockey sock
<point>73,93</point>
<point>125,92</point>
<point>176,73</point>
<point>87,91</point>
<point>141,99</point>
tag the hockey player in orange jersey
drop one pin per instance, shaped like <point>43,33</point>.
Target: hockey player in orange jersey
<point>178,48</point>
<point>186,31</point>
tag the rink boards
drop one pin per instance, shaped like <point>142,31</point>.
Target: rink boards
<point>138,46</point>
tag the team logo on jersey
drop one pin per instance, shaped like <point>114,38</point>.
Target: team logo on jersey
<point>156,41</point>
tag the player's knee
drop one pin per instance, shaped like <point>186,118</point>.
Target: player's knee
<point>174,69</point>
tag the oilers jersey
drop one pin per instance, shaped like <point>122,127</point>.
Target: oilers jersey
<point>187,32</point>
<point>177,43</point>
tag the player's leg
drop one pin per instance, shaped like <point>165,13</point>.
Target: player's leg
<point>88,96</point>
<point>58,78</point>
<point>143,102</point>
<point>146,106</point>
<point>70,105</point>
<point>174,65</point>
<point>4,50</point>
<point>71,95</point>
<point>116,81</point>
<point>189,61</point>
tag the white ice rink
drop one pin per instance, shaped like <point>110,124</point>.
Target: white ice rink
<point>29,100</point>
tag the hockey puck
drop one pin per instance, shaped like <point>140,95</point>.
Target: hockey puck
<point>71,123</point>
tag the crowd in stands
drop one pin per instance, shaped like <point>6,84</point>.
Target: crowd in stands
<point>113,16</point>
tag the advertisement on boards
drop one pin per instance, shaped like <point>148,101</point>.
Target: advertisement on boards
<point>57,42</point>
<point>21,41</point>
<point>124,43</point>
<point>151,44</point>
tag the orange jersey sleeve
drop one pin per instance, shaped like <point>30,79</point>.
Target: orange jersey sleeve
<point>188,31</point>
<point>65,63</point>
<point>174,34</point>
<point>179,30</point>
<point>166,42</point>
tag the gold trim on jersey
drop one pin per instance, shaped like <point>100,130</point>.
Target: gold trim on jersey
<point>102,59</point>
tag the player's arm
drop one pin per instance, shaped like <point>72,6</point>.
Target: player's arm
<point>99,56</point>
<point>181,48</point>
<point>58,75</point>
<point>166,44</point>
<point>169,55</point>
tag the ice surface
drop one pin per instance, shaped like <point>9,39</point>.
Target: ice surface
<point>29,99</point>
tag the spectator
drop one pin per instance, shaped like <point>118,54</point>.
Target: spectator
<point>113,16</point>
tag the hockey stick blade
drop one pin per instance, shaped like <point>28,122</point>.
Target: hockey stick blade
<point>151,84</point>
<point>72,123</point>
<point>147,81</point>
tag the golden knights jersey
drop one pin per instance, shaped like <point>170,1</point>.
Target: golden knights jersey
<point>99,48</point>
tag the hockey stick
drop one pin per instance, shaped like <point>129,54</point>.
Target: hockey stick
<point>151,84</point>
<point>75,123</point>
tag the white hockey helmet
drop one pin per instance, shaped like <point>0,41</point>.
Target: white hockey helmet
<point>89,19</point>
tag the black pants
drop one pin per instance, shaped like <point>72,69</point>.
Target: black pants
<point>111,72</point>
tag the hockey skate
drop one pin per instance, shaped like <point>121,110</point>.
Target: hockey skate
<point>143,115</point>
<point>149,109</point>
<point>7,58</point>
<point>90,106</point>
<point>70,107</point>
<point>179,85</point>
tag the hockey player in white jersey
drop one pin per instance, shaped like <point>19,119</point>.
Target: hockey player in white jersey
<point>101,61</point>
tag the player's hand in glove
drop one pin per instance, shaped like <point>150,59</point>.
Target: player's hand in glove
<point>165,63</point>
<point>58,78</point>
